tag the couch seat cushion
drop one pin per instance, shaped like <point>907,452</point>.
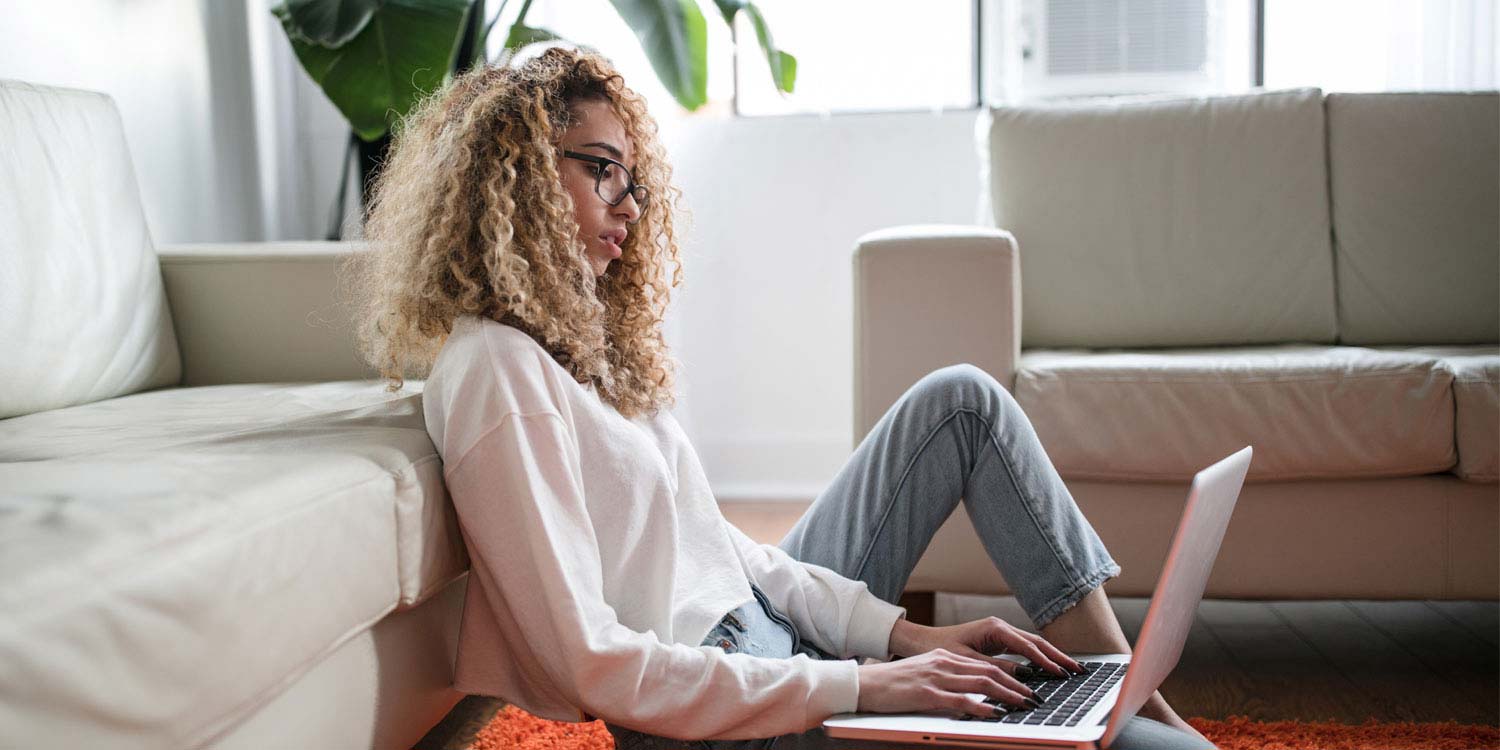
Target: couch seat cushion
<point>1310,411</point>
<point>170,559</point>
<point>1476,406</point>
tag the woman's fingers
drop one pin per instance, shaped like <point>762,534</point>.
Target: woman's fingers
<point>1003,672</point>
<point>1017,641</point>
<point>1009,665</point>
<point>954,677</point>
<point>1024,646</point>
<point>991,689</point>
<point>1053,652</point>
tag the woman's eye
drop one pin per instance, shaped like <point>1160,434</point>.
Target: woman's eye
<point>606,171</point>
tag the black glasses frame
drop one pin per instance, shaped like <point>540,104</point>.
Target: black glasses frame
<point>640,192</point>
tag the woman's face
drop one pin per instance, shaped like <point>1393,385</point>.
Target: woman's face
<point>601,227</point>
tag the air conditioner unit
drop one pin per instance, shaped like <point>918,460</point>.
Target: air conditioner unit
<point>1066,48</point>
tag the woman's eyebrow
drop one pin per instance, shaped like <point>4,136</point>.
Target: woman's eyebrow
<point>615,152</point>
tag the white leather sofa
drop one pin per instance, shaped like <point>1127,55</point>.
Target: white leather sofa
<point>1170,279</point>
<point>199,546</point>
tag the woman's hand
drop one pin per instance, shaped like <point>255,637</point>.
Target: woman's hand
<point>939,680</point>
<point>984,640</point>
<point>945,664</point>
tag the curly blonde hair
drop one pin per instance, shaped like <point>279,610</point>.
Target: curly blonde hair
<point>469,217</point>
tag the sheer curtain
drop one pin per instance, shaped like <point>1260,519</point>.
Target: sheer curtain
<point>178,73</point>
<point>300,137</point>
<point>1382,45</point>
<point>1442,44</point>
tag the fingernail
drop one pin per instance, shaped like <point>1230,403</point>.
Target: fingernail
<point>1000,711</point>
<point>1032,702</point>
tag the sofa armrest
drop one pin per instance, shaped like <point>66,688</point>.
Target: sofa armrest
<point>262,312</point>
<point>926,297</point>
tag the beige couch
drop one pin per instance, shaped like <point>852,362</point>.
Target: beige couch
<point>196,551</point>
<point>1171,279</point>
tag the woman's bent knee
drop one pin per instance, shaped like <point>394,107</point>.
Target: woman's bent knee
<point>964,386</point>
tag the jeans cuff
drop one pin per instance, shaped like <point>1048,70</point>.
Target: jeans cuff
<point>1065,601</point>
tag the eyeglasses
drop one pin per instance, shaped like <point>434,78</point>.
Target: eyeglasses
<point>612,181</point>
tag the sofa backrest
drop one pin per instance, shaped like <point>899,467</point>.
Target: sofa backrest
<point>1168,221</point>
<point>1415,187</point>
<point>82,311</point>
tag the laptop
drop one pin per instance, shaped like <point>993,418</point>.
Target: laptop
<point>1090,710</point>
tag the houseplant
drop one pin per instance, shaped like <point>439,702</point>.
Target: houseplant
<point>375,58</point>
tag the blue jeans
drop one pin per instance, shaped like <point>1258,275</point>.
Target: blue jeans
<point>954,435</point>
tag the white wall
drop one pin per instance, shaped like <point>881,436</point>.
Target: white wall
<point>176,71</point>
<point>230,140</point>
<point>764,320</point>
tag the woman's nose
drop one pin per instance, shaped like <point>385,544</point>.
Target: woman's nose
<point>629,209</point>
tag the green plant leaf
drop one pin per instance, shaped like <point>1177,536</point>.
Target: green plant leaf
<point>675,38</point>
<point>522,35</point>
<point>327,23</point>
<point>783,64</point>
<point>405,50</point>
<point>479,35</point>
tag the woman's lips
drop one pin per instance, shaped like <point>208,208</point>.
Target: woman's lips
<point>610,247</point>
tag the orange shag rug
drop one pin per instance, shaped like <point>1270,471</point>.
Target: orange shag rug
<point>514,729</point>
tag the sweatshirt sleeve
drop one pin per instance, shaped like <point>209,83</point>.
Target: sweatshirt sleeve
<point>837,614</point>
<point>518,492</point>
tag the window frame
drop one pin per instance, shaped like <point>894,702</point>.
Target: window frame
<point>1258,47</point>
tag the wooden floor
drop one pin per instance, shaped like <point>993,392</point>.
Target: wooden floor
<point>1344,661</point>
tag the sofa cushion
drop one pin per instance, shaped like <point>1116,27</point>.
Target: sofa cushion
<point>171,558</point>
<point>1310,411</point>
<point>1168,221</point>
<point>82,312</point>
<point>1415,184</point>
<point>1476,406</point>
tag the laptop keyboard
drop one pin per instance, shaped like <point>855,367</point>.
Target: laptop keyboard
<point>1066,699</point>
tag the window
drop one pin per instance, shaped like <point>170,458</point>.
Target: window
<point>884,55</point>
<point>862,56</point>
<point>596,24</point>
<point>1067,48</point>
<point>1380,45</point>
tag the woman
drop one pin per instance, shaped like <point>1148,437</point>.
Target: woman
<point>524,230</point>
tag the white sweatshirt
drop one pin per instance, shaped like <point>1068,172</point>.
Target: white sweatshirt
<point>600,561</point>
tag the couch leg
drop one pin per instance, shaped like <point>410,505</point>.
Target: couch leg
<point>919,606</point>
